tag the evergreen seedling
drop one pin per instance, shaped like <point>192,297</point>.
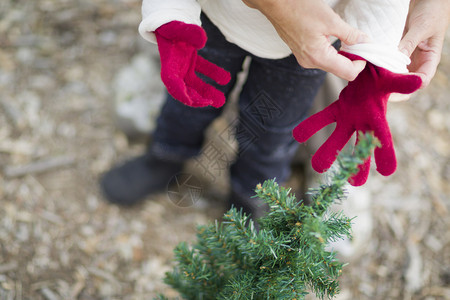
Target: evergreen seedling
<point>285,258</point>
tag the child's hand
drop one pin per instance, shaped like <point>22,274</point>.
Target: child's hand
<point>178,43</point>
<point>424,36</point>
<point>361,107</point>
<point>305,26</point>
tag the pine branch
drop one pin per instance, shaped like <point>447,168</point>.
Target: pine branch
<point>285,257</point>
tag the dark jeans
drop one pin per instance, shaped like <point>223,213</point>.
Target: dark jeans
<point>275,98</point>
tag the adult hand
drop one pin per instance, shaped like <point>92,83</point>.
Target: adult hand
<point>305,26</point>
<point>424,36</point>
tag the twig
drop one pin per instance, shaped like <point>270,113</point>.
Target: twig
<point>8,267</point>
<point>102,274</point>
<point>39,166</point>
<point>19,290</point>
<point>80,283</point>
<point>12,114</point>
<point>49,294</point>
<point>76,289</point>
<point>51,217</point>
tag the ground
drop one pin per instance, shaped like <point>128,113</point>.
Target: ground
<point>59,239</point>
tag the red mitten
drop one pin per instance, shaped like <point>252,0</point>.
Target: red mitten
<point>361,107</point>
<point>178,43</point>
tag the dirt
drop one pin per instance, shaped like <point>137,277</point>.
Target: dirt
<point>59,239</point>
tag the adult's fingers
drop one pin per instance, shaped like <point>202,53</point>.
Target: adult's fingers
<point>425,59</point>
<point>413,37</point>
<point>427,71</point>
<point>346,33</point>
<point>339,65</point>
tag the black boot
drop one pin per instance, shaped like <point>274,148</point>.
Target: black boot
<point>131,182</point>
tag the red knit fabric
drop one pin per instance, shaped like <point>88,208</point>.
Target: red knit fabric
<point>361,106</point>
<point>178,43</point>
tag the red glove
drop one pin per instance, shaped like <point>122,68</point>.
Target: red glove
<point>178,43</point>
<point>361,107</point>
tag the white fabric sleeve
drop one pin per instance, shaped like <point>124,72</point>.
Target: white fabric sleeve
<point>383,21</point>
<point>159,12</point>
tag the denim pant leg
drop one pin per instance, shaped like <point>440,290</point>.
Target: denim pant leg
<point>275,98</point>
<point>179,132</point>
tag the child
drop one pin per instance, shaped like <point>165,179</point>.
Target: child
<point>276,83</point>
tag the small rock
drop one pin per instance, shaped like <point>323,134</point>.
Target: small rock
<point>437,119</point>
<point>139,94</point>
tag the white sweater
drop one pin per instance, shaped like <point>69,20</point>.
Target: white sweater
<point>382,20</point>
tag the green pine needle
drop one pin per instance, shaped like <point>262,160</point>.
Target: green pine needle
<point>285,258</point>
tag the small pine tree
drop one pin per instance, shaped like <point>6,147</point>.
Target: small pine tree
<point>282,260</point>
